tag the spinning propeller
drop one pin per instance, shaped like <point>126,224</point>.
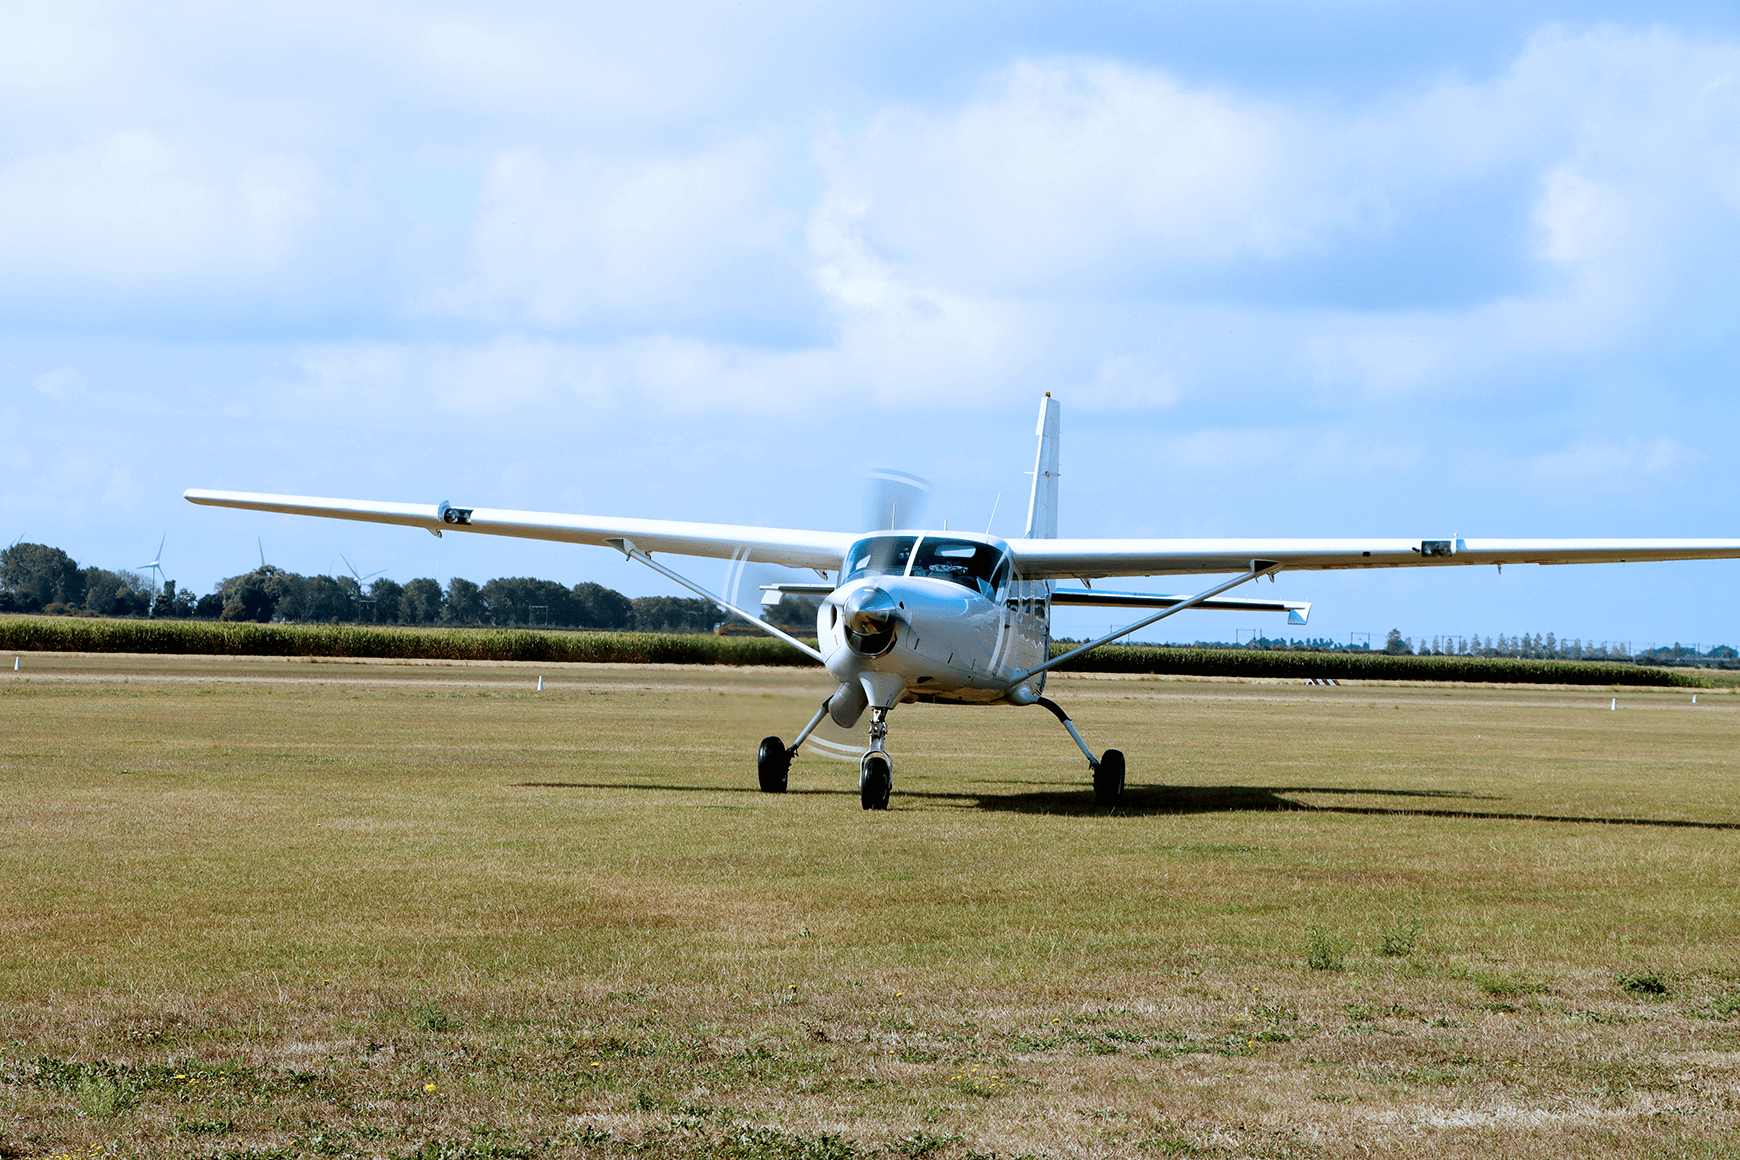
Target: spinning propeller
<point>893,499</point>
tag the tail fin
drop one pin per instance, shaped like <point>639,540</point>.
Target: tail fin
<point>1042,508</point>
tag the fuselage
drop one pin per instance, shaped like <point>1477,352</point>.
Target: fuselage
<point>933,616</point>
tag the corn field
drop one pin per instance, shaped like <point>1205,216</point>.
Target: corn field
<point>66,634</point>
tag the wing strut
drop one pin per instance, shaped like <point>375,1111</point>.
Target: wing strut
<point>626,546</point>
<point>1258,568</point>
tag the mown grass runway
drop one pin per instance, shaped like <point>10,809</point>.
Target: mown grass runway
<point>293,908</point>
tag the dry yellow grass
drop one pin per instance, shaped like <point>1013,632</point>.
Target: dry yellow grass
<point>296,908</point>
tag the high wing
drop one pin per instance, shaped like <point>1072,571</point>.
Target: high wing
<point>794,549</point>
<point>1035,559</point>
<point>1090,559</point>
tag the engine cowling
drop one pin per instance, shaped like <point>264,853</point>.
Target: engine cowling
<point>872,620</point>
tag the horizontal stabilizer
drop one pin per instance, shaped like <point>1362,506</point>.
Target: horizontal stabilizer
<point>1297,610</point>
<point>771,594</point>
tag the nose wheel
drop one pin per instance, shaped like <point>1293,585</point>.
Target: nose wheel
<point>875,770</point>
<point>875,780</point>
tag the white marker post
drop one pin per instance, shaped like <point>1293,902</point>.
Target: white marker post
<point>540,684</point>
<point>1615,705</point>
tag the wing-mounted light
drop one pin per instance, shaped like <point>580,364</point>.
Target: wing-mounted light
<point>452,515</point>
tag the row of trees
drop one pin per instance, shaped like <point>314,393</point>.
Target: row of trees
<point>1523,646</point>
<point>39,578</point>
<point>1548,647</point>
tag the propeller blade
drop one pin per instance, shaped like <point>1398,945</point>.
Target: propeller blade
<point>897,499</point>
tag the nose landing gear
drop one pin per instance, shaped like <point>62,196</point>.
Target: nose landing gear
<point>875,780</point>
<point>875,770</point>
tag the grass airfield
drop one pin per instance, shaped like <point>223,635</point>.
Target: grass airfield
<point>287,908</point>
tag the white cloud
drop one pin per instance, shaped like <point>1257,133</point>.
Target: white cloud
<point>1610,467</point>
<point>57,383</point>
<point>1072,174</point>
<point>137,209</point>
<point>122,491</point>
<point>1123,383</point>
<point>591,239</point>
<point>1446,242</point>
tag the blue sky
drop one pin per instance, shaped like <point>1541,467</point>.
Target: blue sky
<point>1333,269</point>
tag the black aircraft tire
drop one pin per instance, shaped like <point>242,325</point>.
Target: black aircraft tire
<point>1109,778</point>
<point>772,765</point>
<point>875,781</point>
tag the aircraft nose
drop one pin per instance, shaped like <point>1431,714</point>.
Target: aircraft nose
<point>869,611</point>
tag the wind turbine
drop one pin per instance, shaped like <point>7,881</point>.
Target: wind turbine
<point>156,565</point>
<point>359,579</point>
<point>360,598</point>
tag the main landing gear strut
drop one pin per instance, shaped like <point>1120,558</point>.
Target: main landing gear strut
<point>1108,767</point>
<point>773,759</point>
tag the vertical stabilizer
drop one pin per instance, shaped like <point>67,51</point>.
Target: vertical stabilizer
<point>1042,508</point>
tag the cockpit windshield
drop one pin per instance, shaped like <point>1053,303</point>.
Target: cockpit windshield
<point>981,567</point>
<point>878,556</point>
<point>966,562</point>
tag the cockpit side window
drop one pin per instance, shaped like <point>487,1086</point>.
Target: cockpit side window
<point>967,563</point>
<point>878,556</point>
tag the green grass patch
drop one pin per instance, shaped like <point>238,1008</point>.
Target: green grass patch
<point>1324,950</point>
<point>1644,982</point>
<point>259,909</point>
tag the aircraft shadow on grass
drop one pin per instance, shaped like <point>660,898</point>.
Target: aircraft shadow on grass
<point>1144,801</point>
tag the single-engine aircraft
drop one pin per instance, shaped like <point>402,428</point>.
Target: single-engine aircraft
<point>915,614</point>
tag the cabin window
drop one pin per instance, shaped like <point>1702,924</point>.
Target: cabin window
<point>878,556</point>
<point>981,567</point>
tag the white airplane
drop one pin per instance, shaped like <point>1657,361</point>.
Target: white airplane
<point>921,615</point>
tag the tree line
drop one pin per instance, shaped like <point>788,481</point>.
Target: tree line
<point>1522,646</point>
<point>40,578</point>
